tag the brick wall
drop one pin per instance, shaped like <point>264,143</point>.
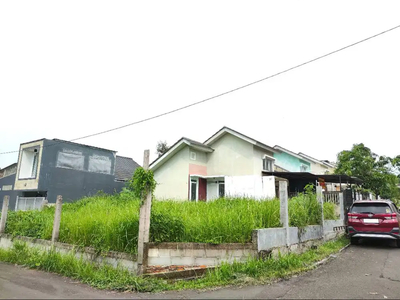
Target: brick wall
<point>198,254</point>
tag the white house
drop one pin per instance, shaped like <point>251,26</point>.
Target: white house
<point>227,164</point>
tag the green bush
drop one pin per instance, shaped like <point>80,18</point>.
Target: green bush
<point>330,211</point>
<point>36,224</point>
<point>304,210</point>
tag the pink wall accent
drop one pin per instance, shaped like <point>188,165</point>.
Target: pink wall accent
<point>197,169</point>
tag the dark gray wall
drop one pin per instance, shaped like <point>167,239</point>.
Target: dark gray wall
<point>9,180</point>
<point>73,184</point>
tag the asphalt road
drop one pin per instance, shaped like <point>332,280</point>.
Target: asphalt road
<point>370,271</point>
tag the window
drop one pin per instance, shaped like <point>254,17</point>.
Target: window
<point>29,163</point>
<point>221,189</point>
<point>192,155</point>
<point>70,160</point>
<point>100,164</point>
<point>303,168</point>
<point>371,208</point>
<point>267,164</point>
<point>193,189</point>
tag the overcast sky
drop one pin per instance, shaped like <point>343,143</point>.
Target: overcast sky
<point>73,68</point>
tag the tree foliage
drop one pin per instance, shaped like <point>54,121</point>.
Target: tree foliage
<point>377,172</point>
<point>161,148</point>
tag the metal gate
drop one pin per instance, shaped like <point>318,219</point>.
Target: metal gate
<point>29,203</point>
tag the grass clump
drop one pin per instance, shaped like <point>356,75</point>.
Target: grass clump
<point>106,277</point>
<point>99,276</point>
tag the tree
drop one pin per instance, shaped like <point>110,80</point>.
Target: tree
<point>161,148</point>
<point>379,173</point>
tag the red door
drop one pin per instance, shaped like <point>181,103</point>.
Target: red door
<point>202,189</point>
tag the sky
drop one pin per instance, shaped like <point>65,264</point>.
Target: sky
<point>74,68</point>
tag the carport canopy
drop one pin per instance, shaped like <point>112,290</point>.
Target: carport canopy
<point>333,178</point>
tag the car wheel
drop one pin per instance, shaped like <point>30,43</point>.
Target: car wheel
<point>354,241</point>
<point>398,243</point>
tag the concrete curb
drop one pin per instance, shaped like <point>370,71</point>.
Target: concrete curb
<point>325,260</point>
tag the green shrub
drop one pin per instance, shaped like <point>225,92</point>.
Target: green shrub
<point>330,211</point>
<point>304,210</point>
<point>33,223</point>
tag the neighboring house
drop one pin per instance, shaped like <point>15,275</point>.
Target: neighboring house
<point>319,166</point>
<point>47,168</point>
<point>290,161</point>
<point>227,164</point>
<point>7,179</point>
<point>124,168</point>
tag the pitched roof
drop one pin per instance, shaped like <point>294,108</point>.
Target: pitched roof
<point>317,161</point>
<point>176,147</point>
<point>226,129</point>
<point>299,156</point>
<point>124,167</point>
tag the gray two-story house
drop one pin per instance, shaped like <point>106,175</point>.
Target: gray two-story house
<point>47,168</point>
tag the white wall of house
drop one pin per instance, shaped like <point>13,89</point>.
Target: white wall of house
<point>233,156</point>
<point>25,163</point>
<point>172,177</point>
<point>320,169</point>
<point>250,186</point>
<point>258,156</point>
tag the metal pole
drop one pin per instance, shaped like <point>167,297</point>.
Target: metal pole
<point>16,204</point>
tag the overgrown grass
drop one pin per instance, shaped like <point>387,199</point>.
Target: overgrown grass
<point>106,277</point>
<point>111,222</point>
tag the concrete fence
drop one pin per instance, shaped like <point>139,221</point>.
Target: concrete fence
<point>198,254</point>
<point>269,240</point>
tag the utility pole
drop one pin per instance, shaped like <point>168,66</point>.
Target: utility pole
<point>144,223</point>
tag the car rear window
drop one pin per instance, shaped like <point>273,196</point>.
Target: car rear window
<point>374,208</point>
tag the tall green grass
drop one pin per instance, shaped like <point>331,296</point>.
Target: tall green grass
<point>112,222</point>
<point>106,277</point>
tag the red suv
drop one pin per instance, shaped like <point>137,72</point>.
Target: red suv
<point>373,219</point>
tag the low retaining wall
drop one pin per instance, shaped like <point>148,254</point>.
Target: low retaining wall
<point>274,239</point>
<point>112,258</point>
<point>198,254</point>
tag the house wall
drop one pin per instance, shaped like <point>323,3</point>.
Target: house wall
<point>289,162</point>
<point>5,183</point>
<point>31,183</point>
<point>318,169</point>
<point>232,157</point>
<point>258,156</point>
<point>172,177</point>
<point>197,165</point>
<point>74,184</point>
<point>250,186</point>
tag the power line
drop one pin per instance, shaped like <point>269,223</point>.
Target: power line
<point>227,92</point>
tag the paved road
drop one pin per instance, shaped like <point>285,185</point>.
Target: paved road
<point>371,271</point>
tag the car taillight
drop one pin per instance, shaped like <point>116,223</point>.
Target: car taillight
<point>351,216</point>
<point>392,216</point>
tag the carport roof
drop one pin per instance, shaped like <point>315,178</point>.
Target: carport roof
<point>313,177</point>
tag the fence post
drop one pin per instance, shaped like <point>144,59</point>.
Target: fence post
<point>57,220</point>
<point>320,199</point>
<point>341,206</point>
<point>44,203</point>
<point>16,204</point>
<point>284,208</point>
<point>144,223</point>
<point>4,212</point>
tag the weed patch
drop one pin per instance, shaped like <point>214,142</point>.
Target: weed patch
<point>105,277</point>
